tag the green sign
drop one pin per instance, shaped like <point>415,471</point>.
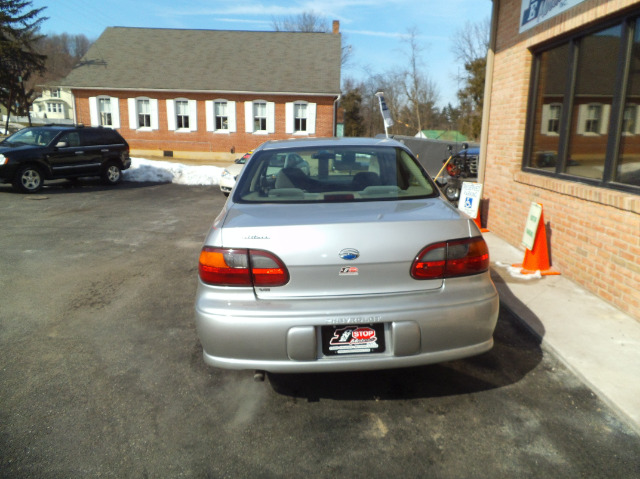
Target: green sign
<point>531,228</point>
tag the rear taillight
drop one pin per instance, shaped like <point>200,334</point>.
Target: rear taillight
<point>241,267</point>
<point>453,258</point>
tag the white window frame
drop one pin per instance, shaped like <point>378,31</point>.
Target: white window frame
<point>53,107</point>
<point>290,118</point>
<point>250,117</point>
<point>133,104</point>
<point>551,112</point>
<point>94,111</point>
<point>105,116</point>
<point>172,115</point>
<point>586,115</point>
<point>634,112</point>
<point>210,107</point>
<point>220,118</point>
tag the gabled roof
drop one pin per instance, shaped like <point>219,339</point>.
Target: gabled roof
<point>210,60</point>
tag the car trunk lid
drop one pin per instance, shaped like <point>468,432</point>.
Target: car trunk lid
<point>343,249</point>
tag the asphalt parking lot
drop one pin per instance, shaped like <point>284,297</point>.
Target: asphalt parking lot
<point>101,372</point>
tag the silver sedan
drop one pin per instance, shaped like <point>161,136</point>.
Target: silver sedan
<point>355,262</point>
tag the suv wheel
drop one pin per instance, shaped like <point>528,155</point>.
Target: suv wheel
<point>112,174</point>
<point>28,179</point>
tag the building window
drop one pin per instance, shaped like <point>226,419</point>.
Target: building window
<point>182,114</point>
<point>553,125</point>
<point>630,120</point>
<point>590,119</point>
<point>221,115</point>
<point>55,93</point>
<point>259,116</point>
<point>144,113</point>
<point>591,135</point>
<point>54,107</point>
<point>104,109</point>
<point>299,117</point>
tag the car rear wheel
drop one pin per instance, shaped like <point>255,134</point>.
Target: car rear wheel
<point>112,174</point>
<point>28,180</point>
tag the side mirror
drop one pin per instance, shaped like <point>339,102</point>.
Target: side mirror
<point>449,148</point>
<point>465,146</point>
<point>61,144</point>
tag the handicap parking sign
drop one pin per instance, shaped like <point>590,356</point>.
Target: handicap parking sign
<point>470,196</point>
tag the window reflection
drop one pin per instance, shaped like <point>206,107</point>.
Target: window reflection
<point>595,86</point>
<point>549,100</point>
<point>628,168</point>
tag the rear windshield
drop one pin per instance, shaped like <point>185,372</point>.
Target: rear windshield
<point>339,174</point>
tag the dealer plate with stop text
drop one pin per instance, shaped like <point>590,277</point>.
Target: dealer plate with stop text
<point>353,339</point>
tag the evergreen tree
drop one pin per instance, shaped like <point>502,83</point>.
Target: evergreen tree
<point>351,104</point>
<point>18,58</point>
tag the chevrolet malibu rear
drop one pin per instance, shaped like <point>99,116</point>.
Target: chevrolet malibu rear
<point>355,262</point>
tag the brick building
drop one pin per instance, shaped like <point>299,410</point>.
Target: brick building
<point>561,127</point>
<point>208,93</point>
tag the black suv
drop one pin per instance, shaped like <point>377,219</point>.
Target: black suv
<point>34,154</point>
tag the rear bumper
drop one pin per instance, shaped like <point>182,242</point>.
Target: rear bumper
<point>239,332</point>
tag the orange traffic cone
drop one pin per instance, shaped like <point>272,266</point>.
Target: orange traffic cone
<point>537,259</point>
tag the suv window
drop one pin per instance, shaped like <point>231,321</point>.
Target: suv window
<point>71,138</point>
<point>98,136</point>
<point>342,174</point>
<point>33,136</point>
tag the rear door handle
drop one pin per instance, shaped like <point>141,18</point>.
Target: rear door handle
<point>79,152</point>
<point>105,150</point>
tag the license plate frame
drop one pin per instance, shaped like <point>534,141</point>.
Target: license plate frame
<point>353,339</point>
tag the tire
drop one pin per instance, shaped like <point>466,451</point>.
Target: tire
<point>111,174</point>
<point>28,179</point>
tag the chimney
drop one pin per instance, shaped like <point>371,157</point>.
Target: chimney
<point>336,26</point>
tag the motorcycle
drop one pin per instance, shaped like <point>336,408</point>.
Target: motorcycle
<point>460,167</point>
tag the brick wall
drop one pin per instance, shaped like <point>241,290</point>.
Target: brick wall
<point>595,232</point>
<point>202,141</point>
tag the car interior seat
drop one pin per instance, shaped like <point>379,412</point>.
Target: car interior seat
<point>365,178</point>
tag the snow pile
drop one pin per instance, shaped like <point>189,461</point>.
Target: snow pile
<point>515,272</point>
<point>142,171</point>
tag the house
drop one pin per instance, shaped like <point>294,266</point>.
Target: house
<point>208,93</point>
<point>54,104</point>
<point>561,128</point>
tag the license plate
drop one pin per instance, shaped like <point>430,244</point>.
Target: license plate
<point>353,339</point>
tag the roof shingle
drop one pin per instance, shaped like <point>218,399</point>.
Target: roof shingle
<point>210,60</point>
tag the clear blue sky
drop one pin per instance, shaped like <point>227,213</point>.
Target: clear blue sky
<point>375,29</point>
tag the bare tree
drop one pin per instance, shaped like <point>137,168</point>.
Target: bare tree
<point>310,22</point>
<point>419,91</point>
<point>470,48</point>
<point>472,41</point>
<point>63,52</point>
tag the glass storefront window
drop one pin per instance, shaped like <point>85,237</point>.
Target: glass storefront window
<point>627,170</point>
<point>598,56</point>
<point>584,114</point>
<point>549,100</point>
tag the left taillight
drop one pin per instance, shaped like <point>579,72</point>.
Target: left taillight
<point>449,259</point>
<point>241,267</point>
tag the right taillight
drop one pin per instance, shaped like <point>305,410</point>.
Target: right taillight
<point>461,257</point>
<point>241,267</point>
